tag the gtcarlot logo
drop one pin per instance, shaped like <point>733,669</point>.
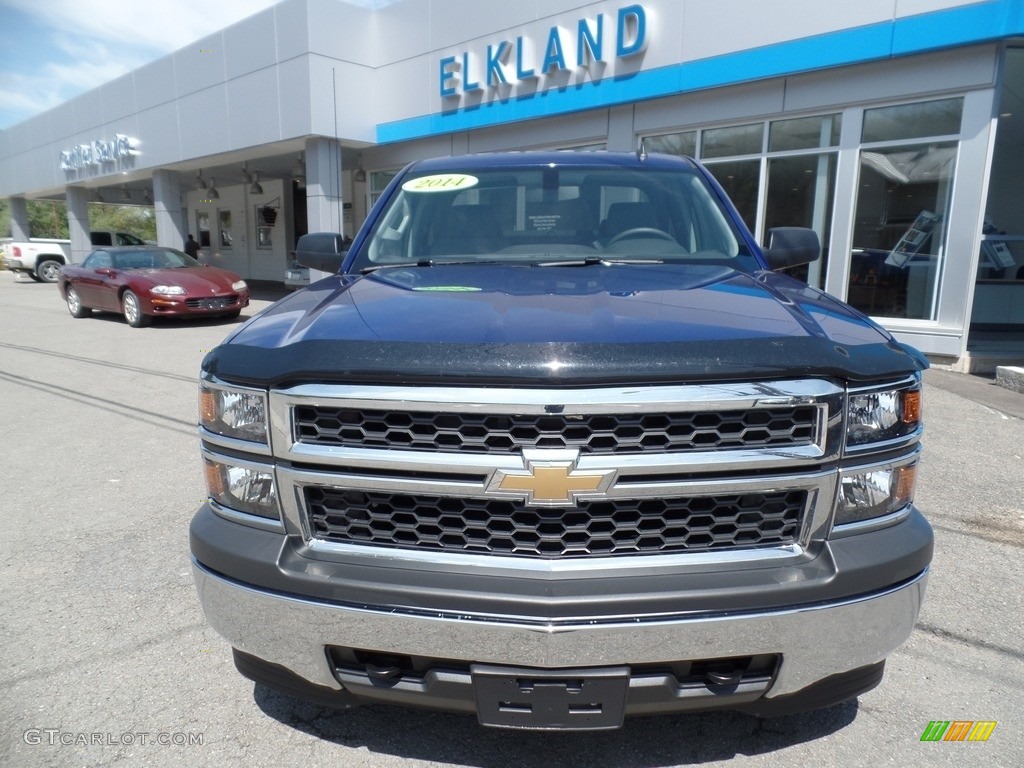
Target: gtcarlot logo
<point>958,730</point>
<point>56,737</point>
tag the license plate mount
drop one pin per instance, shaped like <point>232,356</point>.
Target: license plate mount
<point>578,699</point>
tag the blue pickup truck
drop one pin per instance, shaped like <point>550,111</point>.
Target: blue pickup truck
<point>560,443</point>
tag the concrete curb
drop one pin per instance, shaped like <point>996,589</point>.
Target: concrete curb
<point>1010,377</point>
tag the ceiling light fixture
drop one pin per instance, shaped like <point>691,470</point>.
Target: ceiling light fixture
<point>256,188</point>
<point>299,168</point>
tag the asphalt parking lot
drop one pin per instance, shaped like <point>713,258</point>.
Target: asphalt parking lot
<point>105,657</point>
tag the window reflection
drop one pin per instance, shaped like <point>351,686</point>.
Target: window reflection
<point>684,144</point>
<point>740,180</point>
<point>913,121</point>
<point>800,194</point>
<point>203,228</point>
<point>899,229</point>
<point>731,141</point>
<point>224,221</point>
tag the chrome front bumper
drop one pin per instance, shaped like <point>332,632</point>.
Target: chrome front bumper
<point>815,641</point>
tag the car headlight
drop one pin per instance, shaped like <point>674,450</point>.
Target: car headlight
<point>167,290</point>
<point>238,285</point>
<point>235,413</point>
<point>885,414</point>
<point>874,492</point>
<point>246,489</point>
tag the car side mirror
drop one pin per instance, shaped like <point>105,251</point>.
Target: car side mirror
<point>324,251</point>
<point>791,247</point>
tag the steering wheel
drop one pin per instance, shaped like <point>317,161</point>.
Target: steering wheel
<point>642,232</point>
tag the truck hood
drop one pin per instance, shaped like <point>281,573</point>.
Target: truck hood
<point>565,325</point>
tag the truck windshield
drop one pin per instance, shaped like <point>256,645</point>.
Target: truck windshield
<point>553,215</point>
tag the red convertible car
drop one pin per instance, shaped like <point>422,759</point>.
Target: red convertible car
<point>143,282</point>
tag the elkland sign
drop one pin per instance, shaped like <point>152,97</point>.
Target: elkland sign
<point>116,153</point>
<point>507,64</point>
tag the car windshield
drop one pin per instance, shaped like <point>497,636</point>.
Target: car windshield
<point>153,259</point>
<point>554,215</point>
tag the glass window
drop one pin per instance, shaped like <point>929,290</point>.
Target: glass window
<point>804,133</point>
<point>547,216</point>
<point>379,181</point>
<point>98,260</point>
<point>800,194</point>
<point>740,179</point>
<point>732,141</point>
<point>899,229</point>
<point>913,121</point>
<point>997,315</point>
<point>684,144</point>
<point>224,227</point>
<point>203,228</point>
<point>266,216</point>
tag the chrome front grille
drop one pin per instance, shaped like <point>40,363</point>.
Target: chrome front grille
<point>539,476</point>
<point>612,527</point>
<point>213,302</point>
<point>601,433</point>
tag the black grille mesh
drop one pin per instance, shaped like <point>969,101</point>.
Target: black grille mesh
<point>605,433</point>
<point>606,527</point>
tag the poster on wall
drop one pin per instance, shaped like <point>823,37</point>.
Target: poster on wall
<point>266,216</point>
<point>913,239</point>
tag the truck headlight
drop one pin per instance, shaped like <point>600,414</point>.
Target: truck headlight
<point>243,488</point>
<point>875,493</point>
<point>235,413</point>
<point>880,415</point>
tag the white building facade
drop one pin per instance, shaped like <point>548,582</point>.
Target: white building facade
<point>892,127</point>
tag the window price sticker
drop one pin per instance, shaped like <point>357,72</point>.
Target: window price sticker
<point>442,182</point>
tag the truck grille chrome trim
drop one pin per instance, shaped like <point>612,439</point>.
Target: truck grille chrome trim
<point>694,470</point>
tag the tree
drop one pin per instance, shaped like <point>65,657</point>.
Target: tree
<point>49,219</point>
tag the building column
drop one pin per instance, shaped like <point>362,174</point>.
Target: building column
<point>167,209</point>
<point>20,231</point>
<point>78,223</point>
<point>324,199</point>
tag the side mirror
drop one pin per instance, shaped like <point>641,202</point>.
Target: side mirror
<point>321,250</point>
<point>791,247</point>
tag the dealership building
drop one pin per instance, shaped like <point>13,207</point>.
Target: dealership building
<point>894,128</point>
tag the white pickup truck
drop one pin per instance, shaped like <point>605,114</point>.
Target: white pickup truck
<point>42,258</point>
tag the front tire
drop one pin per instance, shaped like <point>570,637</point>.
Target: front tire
<point>132,309</point>
<point>48,270</point>
<point>75,303</point>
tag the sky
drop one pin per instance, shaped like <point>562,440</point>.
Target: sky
<point>54,50</point>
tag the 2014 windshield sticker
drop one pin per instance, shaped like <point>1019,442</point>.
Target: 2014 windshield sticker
<point>441,182</point>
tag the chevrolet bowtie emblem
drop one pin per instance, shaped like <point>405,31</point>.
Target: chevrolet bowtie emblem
<point>550,479</point>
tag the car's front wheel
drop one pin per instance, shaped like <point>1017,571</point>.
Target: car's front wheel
<point>75,306</point>
<point>132,309</point>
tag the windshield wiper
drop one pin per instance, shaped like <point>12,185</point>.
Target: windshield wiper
<point>430,263</point>
<point>592,261</point>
